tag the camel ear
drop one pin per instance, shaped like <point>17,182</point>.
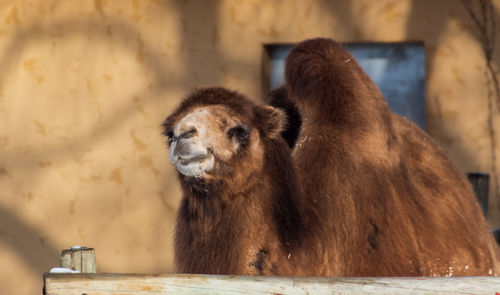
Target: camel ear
<point>272,119</point>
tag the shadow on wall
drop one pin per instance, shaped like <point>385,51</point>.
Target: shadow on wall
<point>22,238</point>
<point>420,8</point>
<point>18,235</point>
<point>123,37</point>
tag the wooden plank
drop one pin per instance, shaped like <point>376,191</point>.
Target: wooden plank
<point>101,284</point>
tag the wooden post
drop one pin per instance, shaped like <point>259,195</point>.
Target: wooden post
<point>79,258</point>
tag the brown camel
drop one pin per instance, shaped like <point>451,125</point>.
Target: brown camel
<point>240,211</point>
<point>390,202</point>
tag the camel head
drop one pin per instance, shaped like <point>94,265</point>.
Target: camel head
<point>216,132</point>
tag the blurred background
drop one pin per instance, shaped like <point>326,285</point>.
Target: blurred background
<point>85,85</point>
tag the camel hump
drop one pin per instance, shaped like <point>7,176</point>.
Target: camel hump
<point>321,69</point>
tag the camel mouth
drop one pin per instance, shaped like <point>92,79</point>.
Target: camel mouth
<point>196,165</point>
<point>197,158</point>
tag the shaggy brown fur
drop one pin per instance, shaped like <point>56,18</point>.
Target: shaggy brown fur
<point>383,198</point>
<point>243,216</point>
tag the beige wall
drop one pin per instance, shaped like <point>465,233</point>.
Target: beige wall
<point>84,86</point>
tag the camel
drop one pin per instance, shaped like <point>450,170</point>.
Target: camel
<point>392,202</point>
<point>240,208</point>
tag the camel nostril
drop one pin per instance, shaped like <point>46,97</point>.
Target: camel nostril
<point>181,149</point>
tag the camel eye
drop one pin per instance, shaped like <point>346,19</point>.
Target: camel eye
<point>240,133</point>
<point>188,134</point>
<point>169,134</point>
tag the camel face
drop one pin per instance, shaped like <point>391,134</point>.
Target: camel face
<point>203,136</point>
<point>239,212</point>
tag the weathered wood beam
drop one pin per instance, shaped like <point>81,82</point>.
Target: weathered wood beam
<point>101,284</point>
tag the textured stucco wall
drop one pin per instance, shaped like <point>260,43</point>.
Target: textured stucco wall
<point>84,86</point>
